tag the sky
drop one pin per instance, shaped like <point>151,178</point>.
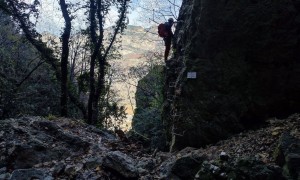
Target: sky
<point>51,19</point>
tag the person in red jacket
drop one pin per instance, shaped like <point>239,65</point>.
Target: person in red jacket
<point>169,37</point>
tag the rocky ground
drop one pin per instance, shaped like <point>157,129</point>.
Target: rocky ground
<point>38,148</point>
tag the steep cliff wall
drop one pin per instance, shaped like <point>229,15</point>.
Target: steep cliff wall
<point>247,58</point>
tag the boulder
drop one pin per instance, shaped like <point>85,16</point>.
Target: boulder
<point>74,142</point>
<point>105,134</point>
<point>287,155</point>
<point>26,156</point>
<point>58,169</point>
<point>30,174</point>
<point>30,141</point>
<point>147,164</point>
<point>184,166</point>
<point>4,176</point>
<point>187,166</point>
<point>121,163</point>
<point>246,168</point>
<point>93,162</point>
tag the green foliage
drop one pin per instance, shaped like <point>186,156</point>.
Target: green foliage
<point>149,97</point>
<point>83,82</point>
<point>51,117</point>
<point>113,115</point>
<point>26,85</point>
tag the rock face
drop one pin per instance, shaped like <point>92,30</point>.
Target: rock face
<point>287,155</point>
<point>149,99</point>
<point>246,56</point>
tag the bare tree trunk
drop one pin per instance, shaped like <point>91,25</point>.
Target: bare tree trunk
<point>93,27</point>
<point>75,50</point>
<point>103,59</point>
<point>97,87</point>
<point>101,66</point>
<point>64,59</point>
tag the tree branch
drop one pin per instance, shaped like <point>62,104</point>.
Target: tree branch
<point>46,52</point>
<point>119,24</point>
<point>29,74</point>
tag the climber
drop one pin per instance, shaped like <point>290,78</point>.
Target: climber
<point>167,34</point>
<point>169,37</point>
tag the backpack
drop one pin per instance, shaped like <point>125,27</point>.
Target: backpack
<point>162,32</point>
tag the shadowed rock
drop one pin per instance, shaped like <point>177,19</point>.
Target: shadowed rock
<point>246,58</point>
<point>121,163</point>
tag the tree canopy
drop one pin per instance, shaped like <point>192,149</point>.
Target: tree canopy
<point>98,47</point>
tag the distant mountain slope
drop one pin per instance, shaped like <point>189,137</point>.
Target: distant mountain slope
<point>136,42</point>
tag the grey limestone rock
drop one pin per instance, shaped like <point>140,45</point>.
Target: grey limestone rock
<point>121,163</point>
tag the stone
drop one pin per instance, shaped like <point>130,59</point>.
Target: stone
<point>58,169</point>
<point>93,162</point>
<point>29,174</point>
<point>146,163</point>
<point>142,171</point>
<point>287,155</point>
<point>70,170</point>
<point>247,168</point>
<point>104,133</point>
<point>5,176</point>
<point>89,175</point>
<point>293,165</point>
<point>165,168</point>
<point>223,156</point>
<point>3,170</point>
<point>184,165</point>
<point>254,169</point>
<point>78,167</point>
<point>26,156</point>
<point>187,166</point>
<point>74,142</point>
<point>35,142</point>
<point>121,163</point>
